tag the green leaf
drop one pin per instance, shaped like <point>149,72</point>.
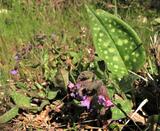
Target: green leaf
<point>21,100</point>
<point>61,79</point>
<point>116,43</point>
<point>111,91</point>
<point>43,104</point>
<point>156,21</point>
<point>76,56</point>
<point>126,84</point>
<point>9,115</point>
<point>41,94</point>
<point>52,94</point>
<point>39,86</point>
<point>65,76</point>
<point>21,85</point>
<point>154,119</point>
<point>125,105</point>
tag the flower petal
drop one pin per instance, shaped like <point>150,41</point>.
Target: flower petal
<point>71,85</point>
<point>104,101</point>
<point>86,102</point>
<point>14,72</point>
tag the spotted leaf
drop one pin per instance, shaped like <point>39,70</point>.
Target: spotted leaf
<point>116,43</point>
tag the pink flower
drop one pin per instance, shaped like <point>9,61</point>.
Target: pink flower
<point>106,102</point>
<point>71,85</point>
<point>86,102</point>
<point>109,103</point>
<point>78,85</point>
<point>14,72</point>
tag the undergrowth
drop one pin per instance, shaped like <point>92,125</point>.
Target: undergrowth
<point>50,70</point>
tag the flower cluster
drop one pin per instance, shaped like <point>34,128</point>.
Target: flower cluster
<point>86,100</point>
<point>106,102</point>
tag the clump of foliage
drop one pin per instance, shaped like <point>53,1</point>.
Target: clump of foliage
<point>54,84</point>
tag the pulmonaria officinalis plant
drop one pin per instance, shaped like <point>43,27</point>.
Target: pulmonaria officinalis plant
<point>116,43</point>
<point>119,46</point>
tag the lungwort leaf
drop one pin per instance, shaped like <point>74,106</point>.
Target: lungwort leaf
<point>123,106</point>
<point>21,100</point>
<point>9,115</point>
<point>116,43</point>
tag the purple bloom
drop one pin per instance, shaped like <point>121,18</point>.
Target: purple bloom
<point>17,57</point>
<point>72,95</point>
<point>101,100</point>
<point>105,102</point>
<point>14,72</point>
<point>86,102</point>
<point>109,103</point>
<point>71,85</point>
<point>78,85</point>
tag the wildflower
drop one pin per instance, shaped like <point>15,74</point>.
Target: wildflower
<point>71,85</point>
<point>86,102</point>
<point>72,95</point>
<point>17,57</point>
<point>106,102</point>
<point>14,72</point>
<point>78,85</point>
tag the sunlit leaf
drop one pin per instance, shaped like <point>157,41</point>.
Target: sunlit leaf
<point>61,79</point>
<point>9,115</point>
<point>122,105</point>
<point>76,56</point>
<point>21,85</point>
<point>65,76</point>
<point>43,104</point>
<point>116,43</point>
<point>52,94</point>
<point>21,100</point>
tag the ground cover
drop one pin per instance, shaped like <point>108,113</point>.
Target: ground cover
<point>54,76</point>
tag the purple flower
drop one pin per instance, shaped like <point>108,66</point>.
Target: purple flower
<point>101,100</point>
<point>78,85</point>
<point>14,72</point>
<point>86,102</point>
<point>71,85</point>
<point>105,102</point>
<point>72,95</point>
<point>17,57</point>
<point>109,103</point>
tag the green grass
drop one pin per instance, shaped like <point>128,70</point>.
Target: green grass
<point>24,21</point>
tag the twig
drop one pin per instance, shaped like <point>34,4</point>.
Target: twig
<point>150,76</point>
<point>138,75</point>
<point>139,108</point>
<point>83,122</point>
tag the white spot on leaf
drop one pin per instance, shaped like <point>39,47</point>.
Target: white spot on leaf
<point>120,43</point>
<point>137,55</point>
<point>126,57</point>
<point>115,58</point>
<point>113,30</point>
<point>116,66</point>
<point>100,40</point>
<point>111,50</point>
<point>101,34</point>
<point>134,60</point>
<point>110,25</point>
<point>105,52</point>
<point>106,57</point>
<point>126,41</point>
